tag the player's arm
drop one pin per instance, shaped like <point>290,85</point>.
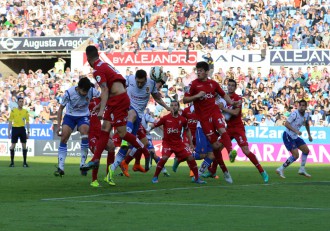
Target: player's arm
<point>104,98</point>
<point>10,125</point>
<point>189,136</point>
<point>157,124</point>
<point>234,111</point>
<point>59,118</point>
<point>27,123</point>
<point>288,126</point>
<point>157,97</point>
<point>310,138</point>
<point>189,99</point>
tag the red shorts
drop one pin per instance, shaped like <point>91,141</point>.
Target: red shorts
<point>142,133</point>
<point>238,135</point>
<point>116,110</point>
<point>212,124</point>
<point>181,153</point>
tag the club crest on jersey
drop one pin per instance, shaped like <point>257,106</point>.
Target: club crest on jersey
<point>147,89</point>
<point>98,78</point>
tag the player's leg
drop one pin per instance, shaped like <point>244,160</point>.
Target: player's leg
<point>166,153</point>
<point>67,127</point>
<point>131,118</point>
<point>222,165</point>
<point>305,151</point>
<point>83,128</point>
<point>203,145</point>
<point>14,140</point>
<point>23,139</point>
<point>291,146</point>
<point>92,139</point>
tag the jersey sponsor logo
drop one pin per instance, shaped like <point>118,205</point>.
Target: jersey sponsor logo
<point>172,130</point>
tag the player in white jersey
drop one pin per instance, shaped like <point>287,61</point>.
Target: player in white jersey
<point>293,142</point>
<point>76,100</point>
<point>139,89</point>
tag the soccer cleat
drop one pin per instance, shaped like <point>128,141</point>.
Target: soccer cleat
<point>90,165</point>
<point>105,179</point>
<point>175,165</point>
<point>124,168</point>
<point>302,171</point>
<point>83,172</point>
<point>110,176</point>
<point>154,180</point>
<point>265,176</point>
<point>232,155</point>
<point>191,173</point>
<point>95,184</point>
<point>198,181</point>
<point>25,165</point>
<point>124,144</point>
<point>59,172</point>
<point>209,174</point>
<point>280,173</point>
<point>11,165</point>
<point>138,168</point>
<point>228,178</point>
<point>166,174</point>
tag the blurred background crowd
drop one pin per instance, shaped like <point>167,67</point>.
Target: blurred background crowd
<point>175,25</point>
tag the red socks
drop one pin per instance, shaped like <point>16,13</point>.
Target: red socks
<point>254,160</point>
<point>218,157</point>
<point>226,141</point>
<point>193,167</point>
<point>101,144</point>
<point>160,166</point>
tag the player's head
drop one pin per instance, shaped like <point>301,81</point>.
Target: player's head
<point>302,106</point>
<point>20,101</point>
<point>92,54</point>
<point>202,69</point>
<point>84,85</point>
<point>231,86</point>
<point>140,78</point>
<point>175,106</point>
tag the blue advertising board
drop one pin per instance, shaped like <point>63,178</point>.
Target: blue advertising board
<point>37,131</point>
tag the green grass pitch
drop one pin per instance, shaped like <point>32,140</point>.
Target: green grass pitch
<point>33,199</point>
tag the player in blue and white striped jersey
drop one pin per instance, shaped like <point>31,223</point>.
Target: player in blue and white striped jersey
<point>293,142</point>
<point>76,100</point>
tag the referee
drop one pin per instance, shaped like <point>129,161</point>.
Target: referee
<point>18,118</point>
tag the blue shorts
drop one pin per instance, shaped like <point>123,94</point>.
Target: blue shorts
<point>150,144</point>
<point>290,143</point>
<point>73,121</point>
<point>136,123</point>
<point>203,145</point>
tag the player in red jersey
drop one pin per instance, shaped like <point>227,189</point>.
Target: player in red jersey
<point>190,115</point>
<point>236,130</point>
<point>113,107</point>
<point>93,136</point>
<point>202,93</point>
<point>173,124</point>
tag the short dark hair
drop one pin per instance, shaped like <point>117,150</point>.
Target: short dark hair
<point>84,84</point>
<point>141,74</point>
<point>204,65</point>
<point>232,81</point>
<point>92,52</point>
<point>19,97</point>
<point>302,102</point>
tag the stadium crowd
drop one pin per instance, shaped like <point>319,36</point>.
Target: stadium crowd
<point>158,25</point>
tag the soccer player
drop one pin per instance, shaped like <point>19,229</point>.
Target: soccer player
<point>139,89</point>
<point>76,100</point>
<point>113,108</point>
<point>202,93</point>
<point>93,136</point>
<point>235,128</point>
<point>293,142</point>
<point>173,123</point>
<point>18,119</point>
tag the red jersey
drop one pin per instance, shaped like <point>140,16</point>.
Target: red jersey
<point>190,115</point>
<point>205,106</point>
<point>235,121</point>
<point>94,122</point>
<point>105,73</point>
<point>172,127</point>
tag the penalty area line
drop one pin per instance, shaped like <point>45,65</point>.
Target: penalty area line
<point>175,189</point>
<point>198,205</point>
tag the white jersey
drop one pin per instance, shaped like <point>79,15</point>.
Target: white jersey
<point>140,96</point>
<point>219,100</point>
<point>296,120</point>
<point>76,104</point>
<point>147,118</point>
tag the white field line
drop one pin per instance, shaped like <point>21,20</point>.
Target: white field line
<point>176,189</point>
